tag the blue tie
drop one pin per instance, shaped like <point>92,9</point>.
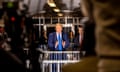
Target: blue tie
<point>60,42</point>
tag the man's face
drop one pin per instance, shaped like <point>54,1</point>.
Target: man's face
<point>58,28</point>
<point>80,30</point>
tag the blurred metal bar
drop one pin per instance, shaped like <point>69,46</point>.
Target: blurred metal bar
<point>61,51</point>
<point>43,65</point>
<point>50,67</point>
<point>58,67</point>
<point>53,62</point>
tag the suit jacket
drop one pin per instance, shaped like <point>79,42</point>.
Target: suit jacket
<point>53,38</point>
<point>77,42</point>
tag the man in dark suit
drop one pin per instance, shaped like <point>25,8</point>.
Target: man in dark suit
<point>85,40</point>
<point>53,40</point>
<point>79,38</point>
<point>58,41</point>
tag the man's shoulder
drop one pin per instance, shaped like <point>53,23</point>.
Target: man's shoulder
<point>53,33</point>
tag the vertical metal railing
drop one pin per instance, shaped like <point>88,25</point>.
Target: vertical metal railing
<point>48,62</point>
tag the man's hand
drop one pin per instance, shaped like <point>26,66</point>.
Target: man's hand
<point>56,44</point>
<point>63,44</point>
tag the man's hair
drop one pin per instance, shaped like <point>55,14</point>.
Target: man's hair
<point>58,24</point>
<point>80,26</point>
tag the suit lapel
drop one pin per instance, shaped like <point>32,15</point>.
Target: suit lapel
<point>55,36</point>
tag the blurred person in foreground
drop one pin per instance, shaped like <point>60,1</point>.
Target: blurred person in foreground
<point>106,14</point>
<point>9,61</point>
